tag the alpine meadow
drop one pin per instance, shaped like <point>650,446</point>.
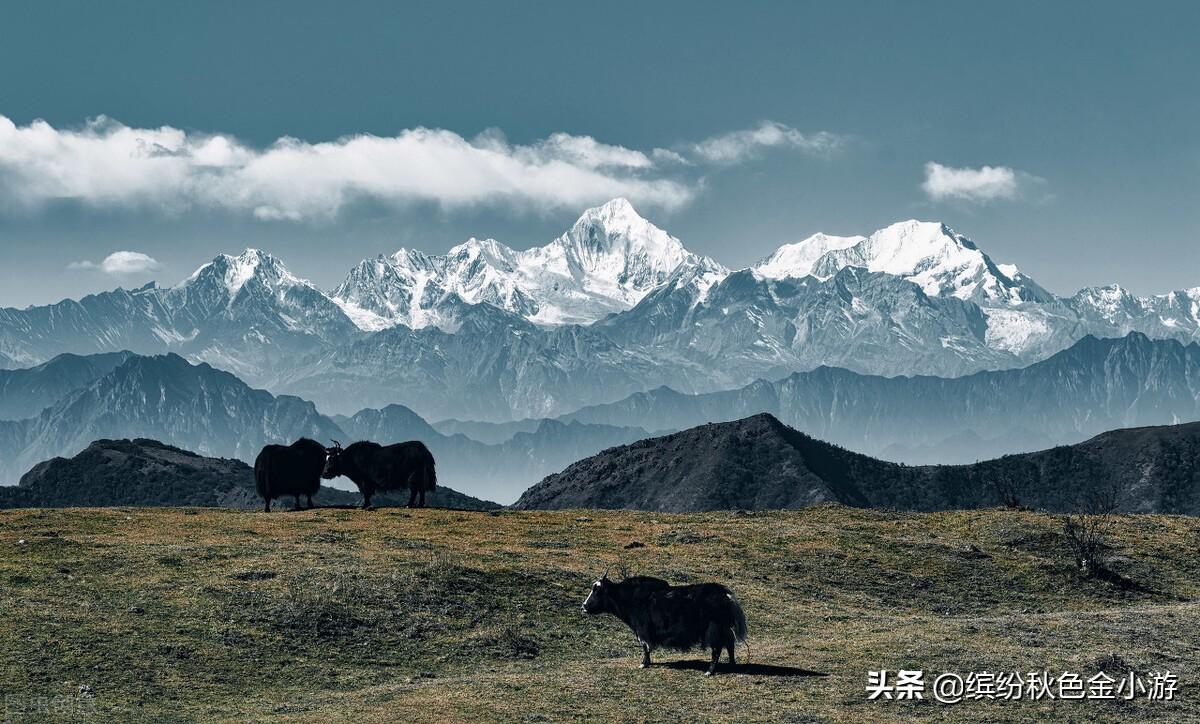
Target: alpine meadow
<point>810,362</point>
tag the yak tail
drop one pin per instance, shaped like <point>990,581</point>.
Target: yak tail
<point>431,474</point>
<point>740,631</point>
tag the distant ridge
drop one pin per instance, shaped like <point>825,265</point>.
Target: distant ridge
<point>26,392</point>
<point>760,463</point>
<point>1094,386</point>
<point>201,408</point>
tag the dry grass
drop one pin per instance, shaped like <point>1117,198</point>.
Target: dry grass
<point>339,615</point>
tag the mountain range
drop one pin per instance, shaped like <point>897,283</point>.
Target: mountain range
<point>759,463</point>
<point>212,412</point>
<point>1095,385</point>
<point>613,307</point>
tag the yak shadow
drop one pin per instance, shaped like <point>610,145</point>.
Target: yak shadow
<point>747,669</point>
<point>347,506</point>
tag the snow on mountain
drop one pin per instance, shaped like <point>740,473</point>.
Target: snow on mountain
<point>798,260</point>
<point>606,262</point>
<point>612,306</point>
<point>930,254</point>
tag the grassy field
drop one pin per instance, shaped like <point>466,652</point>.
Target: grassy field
<point>341,615</point>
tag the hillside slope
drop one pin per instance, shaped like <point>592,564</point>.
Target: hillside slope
<point>760,463</point>
<point>435,615</point>
<point>134,472</point>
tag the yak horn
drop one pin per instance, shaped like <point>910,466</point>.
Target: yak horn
<point>336,444</point>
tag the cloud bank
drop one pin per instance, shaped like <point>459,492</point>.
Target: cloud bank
<point>987,183</point>
<point>738,146</point>
<point>106,164</point>
<point>120,263</point>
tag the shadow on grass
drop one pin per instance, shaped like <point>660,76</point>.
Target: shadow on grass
<point>747,669</point>
<point>1121,582</point>
<point>347,506</point>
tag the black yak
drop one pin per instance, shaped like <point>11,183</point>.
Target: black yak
<point>294,469</point>
<point>374,467</point>
<point>705,615</point>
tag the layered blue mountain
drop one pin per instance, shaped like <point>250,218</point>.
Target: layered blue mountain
<point>213,413</point>
<point>1094,386</point>
<point>26,392</point>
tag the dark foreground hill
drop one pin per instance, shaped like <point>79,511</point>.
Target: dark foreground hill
<point>760,463</point>
<point>144,472</point>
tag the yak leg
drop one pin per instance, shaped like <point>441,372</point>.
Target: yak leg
<point>297,505</point>
<point>412,498</point>
<point>422,497</point>
<point>729,646</point>
<point>716,640</point>
<point>267,505</point>
<point>310,503</point>
<point>366,501</point>
<point>645,655</point>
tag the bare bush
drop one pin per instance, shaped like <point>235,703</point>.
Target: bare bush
<point>1086,532</point>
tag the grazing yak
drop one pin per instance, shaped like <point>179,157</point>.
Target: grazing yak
<point>374,467</point>
<point>703,615</point>
<point>294,469</point>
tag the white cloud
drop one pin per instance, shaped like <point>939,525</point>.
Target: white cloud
<point>106,164</point>
<point>987,183</point>
<point>587,152</point>
<point>120,263</point>
<point>737,146</point>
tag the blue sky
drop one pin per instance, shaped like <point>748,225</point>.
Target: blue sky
<point>1065,135</point>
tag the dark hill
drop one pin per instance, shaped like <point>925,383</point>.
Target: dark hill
<point>134,472</point>
<point>144,472</point>
<point>760,463</point>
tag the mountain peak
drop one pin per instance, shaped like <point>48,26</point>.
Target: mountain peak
<point>929,254</point>
<point>798,259</point>
<point>618,209</point>
<point>606,262</point>
<point>234,271</point>
<point>615,235</point>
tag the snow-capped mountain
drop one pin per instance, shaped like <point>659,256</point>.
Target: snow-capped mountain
<point>244,313</point>
<point>929,254</point>
<point>613,306</point>
<point>606,262</point>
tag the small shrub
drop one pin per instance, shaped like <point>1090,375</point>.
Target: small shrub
<point>1086,533</point>
<point>508,642</point>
